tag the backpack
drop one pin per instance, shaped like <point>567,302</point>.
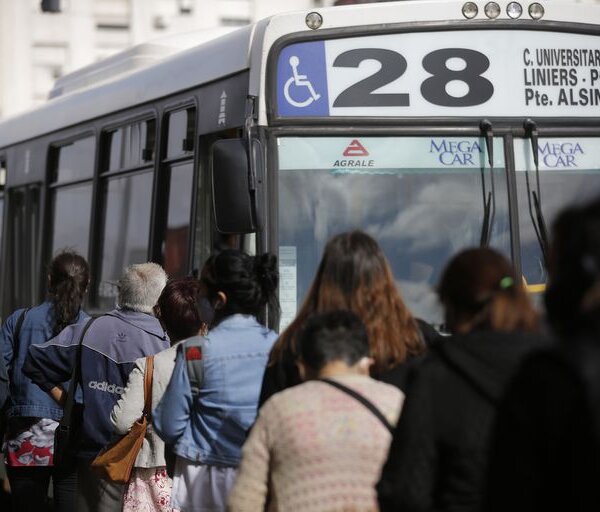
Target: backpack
<point>192,349</point>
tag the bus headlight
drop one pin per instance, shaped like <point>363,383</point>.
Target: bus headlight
<point>514,10</point>
<point>536,11</point>
<point>314,20</point>
<point>470,10</point>
<point>492,10</point>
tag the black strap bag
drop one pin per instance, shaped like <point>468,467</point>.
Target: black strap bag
<point>364,401</point>
<point>68,428</point>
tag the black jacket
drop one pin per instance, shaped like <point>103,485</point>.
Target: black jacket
<point>284,373</point>
<point>545,454</point>
<point>438,456</point>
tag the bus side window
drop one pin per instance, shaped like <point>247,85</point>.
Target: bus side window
<point>71,185</point>
<point>22,286</point>
<point>176,191</point>
<point>125,205</point>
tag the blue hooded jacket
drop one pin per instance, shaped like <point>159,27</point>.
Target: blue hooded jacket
<point>27,399</point>
<point>109,350</point>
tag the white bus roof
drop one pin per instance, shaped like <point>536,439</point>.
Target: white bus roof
<point>135,58</point>
<point>95,91</point>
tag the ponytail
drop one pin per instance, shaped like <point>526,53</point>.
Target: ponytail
<point>68,277</point>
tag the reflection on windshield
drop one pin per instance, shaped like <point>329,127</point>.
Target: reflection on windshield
<point>569,174</point>
<point>421,198</point>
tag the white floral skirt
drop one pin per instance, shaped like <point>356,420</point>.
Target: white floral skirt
<point>148,490</point>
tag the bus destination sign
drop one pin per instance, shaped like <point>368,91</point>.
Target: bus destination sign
<point>502,73</point>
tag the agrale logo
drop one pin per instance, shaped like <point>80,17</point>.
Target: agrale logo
<point>354,152</point>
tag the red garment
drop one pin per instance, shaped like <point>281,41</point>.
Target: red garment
<point>30,442</point>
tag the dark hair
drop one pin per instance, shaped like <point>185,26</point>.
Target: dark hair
<point>249,282</point>
<point>354,275</point>
<point>480,289</point>
<point>334,336</point>
<point>573,292</point>
<point>68,278</point>
<point>178,308</point>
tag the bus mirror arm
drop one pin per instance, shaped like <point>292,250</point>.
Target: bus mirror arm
<point>255,158</point>
<point>534,198</point>
<point>489,198</point>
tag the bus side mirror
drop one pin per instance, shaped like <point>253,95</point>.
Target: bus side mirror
<point>232,199</point>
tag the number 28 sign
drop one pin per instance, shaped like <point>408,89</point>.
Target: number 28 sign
<point>447,73</point>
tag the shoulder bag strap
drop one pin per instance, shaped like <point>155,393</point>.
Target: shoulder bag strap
<point>75,378</point>
<point>367,403</point>
<point>148,376</point>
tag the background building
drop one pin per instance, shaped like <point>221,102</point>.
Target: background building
<point>38,47</point>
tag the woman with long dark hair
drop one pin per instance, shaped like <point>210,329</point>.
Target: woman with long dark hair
<point>438,456</point>
<point>207,422</point>
<point>32,414</point>
<point>353,275</point>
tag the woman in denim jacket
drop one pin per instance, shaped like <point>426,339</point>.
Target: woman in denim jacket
<point>33,414</point>
<point>209,428</point>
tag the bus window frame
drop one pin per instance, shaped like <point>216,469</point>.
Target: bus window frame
<point>52,184</point>
<point>103,178</point>
<point>162,180</point>
<point>272,185</point>
<point>507,130</point>
<point>545,131</point>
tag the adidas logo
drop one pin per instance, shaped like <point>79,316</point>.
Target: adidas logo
<point>106,387</point>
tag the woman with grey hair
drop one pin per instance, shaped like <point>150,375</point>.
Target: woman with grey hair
<point>109,349</point>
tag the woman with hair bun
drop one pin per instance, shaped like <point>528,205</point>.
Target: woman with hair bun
<point>32,414</point>
<point>438,456</point>
<point>206,420</point>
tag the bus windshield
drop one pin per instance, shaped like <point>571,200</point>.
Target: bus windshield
<point>569,173</point>
<point>422,198</point>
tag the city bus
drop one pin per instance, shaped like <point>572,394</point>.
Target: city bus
<point>432,125</point>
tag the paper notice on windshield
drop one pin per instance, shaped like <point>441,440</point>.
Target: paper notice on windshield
<point>288,288</point>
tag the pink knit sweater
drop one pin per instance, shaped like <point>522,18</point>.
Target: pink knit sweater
<point>317,448</point>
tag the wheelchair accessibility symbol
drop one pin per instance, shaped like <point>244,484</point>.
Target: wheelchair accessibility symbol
<point>298,90</point>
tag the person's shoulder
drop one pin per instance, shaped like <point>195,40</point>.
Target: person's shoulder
<point>382,389</point>
<point>298,396</point>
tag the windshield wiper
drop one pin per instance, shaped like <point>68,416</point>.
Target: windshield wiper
<point>534,197</point>
<point>489,198</point>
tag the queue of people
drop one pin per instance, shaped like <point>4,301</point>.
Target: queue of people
<point>357,405</point>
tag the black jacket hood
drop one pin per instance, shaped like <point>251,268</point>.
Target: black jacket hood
<point>488,359</point>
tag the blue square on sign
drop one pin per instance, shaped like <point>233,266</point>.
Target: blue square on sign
<point>302,81</point>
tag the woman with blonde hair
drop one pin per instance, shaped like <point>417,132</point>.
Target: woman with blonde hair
<point>353,275</point>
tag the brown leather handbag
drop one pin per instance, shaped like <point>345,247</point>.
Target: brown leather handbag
<point>116,461</point>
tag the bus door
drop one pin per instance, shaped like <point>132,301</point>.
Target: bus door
<point>21,287</point>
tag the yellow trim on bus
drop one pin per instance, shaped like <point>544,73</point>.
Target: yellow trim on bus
<point>536,288</point>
